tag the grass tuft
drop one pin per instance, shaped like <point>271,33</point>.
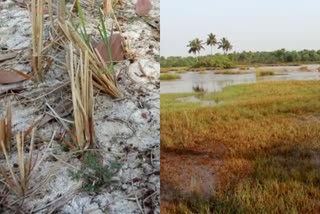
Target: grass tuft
<point>18,182</point>
<point>231,72</point>
<point>304,68</point>
<point>177,69</point>
<point>260,72</point>
<point>169,76</point>
<point>102,77</point>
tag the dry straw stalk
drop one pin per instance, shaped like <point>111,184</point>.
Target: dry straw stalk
<point>82,96</point>
<point>18,182</point>
<point>5,129</point>
<point>37,36</point>
<point>62,10</point>
<point>107,7</point>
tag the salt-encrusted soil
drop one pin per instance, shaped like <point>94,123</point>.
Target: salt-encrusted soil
<point>127,129</point>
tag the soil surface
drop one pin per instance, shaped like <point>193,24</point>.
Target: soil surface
<point>127,129</point>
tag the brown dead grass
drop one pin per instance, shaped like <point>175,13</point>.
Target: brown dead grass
<point>264,149</point>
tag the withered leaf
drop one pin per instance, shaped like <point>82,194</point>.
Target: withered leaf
<point>143,7</point>
<point>117,50</point>
<point>7,77</point>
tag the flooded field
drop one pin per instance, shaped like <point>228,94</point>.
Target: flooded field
<point>211,82</point>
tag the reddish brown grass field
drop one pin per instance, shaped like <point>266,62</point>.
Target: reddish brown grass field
<point>257,152</point>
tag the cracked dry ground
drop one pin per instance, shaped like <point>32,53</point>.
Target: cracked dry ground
<point>127,129</point>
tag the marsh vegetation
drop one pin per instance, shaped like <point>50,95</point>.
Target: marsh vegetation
<point>260,146</point>
<point>169,76</point>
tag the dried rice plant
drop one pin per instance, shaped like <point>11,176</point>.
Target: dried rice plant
<point>5,129</point>
<point>82,96</point>
<point>103,79</point>
<point>37,20</point>
<point>18,182</point>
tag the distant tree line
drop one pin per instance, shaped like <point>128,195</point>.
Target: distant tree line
<point>245,58</point>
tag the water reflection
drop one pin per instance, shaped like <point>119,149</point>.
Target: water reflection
<point>216,82</point>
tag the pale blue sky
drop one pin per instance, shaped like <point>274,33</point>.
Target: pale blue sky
<point>256,25</point>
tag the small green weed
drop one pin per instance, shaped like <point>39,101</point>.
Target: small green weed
<point>94,174</point>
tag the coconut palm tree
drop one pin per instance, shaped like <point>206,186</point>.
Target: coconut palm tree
<point>195,46</point>
<point>212,41</point>
<point>192,47</point>
<point>225,45</point>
